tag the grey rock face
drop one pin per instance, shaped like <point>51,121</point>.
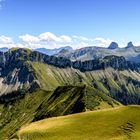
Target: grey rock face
<point>113,45</point>
<point>15,71</point>
<point>94,52</point>
<point>130,45</point>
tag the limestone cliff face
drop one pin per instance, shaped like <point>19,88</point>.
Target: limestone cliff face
<point>17,73</point>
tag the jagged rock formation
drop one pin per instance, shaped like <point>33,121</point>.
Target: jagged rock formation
<point>18,72</point>
<point>113,45</point>
<point>130,45</point>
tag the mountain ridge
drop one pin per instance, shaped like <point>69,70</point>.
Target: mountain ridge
<point>95,52</point>
<point>18,62</point>
<point>35,86</point>
<point>130,52</point>
<point>22,69</point>
<point>53,51</point>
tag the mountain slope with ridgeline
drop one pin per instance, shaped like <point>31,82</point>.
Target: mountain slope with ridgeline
<point>35,86</point>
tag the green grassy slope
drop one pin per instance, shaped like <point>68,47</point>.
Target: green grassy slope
<point>19,112</point>
<point>42,104</point>
<point>73,99</point>
<point>124,86</point>
<point>1,108</point>
<point>51,77</point>
<point>122,123</point>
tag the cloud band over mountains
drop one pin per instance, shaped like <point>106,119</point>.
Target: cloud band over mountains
<point>51,41</point>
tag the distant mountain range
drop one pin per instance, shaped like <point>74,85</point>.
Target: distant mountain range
<point>45,50</point>
<point>53,51</point>
<point>4,49</point>
<point>130,52</point>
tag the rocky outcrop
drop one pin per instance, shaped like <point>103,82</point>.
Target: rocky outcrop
<point>115,62</point>
<point>130,45</point>
<point>17,58</point>
<point>94,52</point>
<point>17,73</point>
<point>2,59</point>
<point>113,45</point>
<point>135,58</point>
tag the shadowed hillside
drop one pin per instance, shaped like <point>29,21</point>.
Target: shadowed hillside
<point>42,104</point>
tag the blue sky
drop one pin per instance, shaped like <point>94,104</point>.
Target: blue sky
<point>68,22</point>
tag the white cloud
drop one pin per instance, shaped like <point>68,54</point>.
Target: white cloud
<point>48,46</point>
<point>13,45</point>
<point>5,40</point>
<point>47,36</point>
<point>82,38</point>
<point>81,45</point>
<point>47,40</point>
<point>29,38</point>
<point>102,42</point>
<point>51,41</point>
<point>65,38</point>
<point>136,44</point>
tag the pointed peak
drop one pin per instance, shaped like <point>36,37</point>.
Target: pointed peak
<point>130,45</point>
<point>113,45</point>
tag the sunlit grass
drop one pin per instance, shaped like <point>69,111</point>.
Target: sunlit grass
<point>122,123</point>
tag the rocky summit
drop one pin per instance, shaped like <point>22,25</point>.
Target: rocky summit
<point>113,45</point>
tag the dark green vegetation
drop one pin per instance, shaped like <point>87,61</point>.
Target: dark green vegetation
<point>42,104</point>
<point>122,123</point>
<point>34,86</point>
<point>123,85</point>
<point>24,70</point>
